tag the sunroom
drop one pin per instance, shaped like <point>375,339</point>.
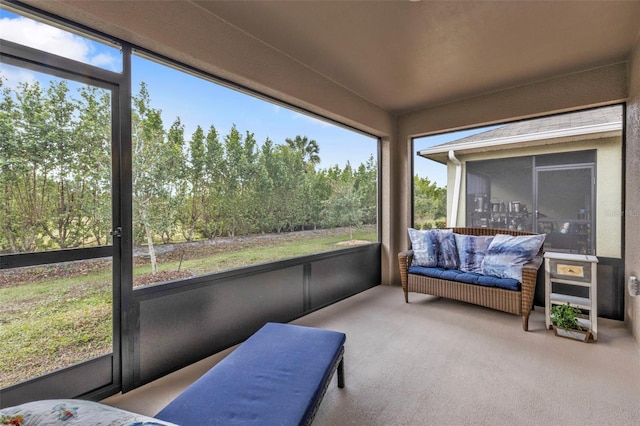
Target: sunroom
<point>390,72</point>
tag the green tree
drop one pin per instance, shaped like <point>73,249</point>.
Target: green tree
<point>12,168</point>
<point>63,208</point>
<point>266,188</point>
<point>366,184</point>
<point>147,143</point>
<point>232,208</point>
<point>308,149</point>
<point>212,224</point>
<point>343,208</point>
<point>289,188</point>
<point>171,182</point>
<point>192,210</point>
<point>93,169</point>
<point>30,164</point>
<point>430,201</point>
<point>318,188</point>
<point>240,177</point>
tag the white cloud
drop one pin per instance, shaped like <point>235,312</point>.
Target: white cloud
<point>13,76</point>
<point>50,39</point>
<point>103,60</point>
<point>310,119</point>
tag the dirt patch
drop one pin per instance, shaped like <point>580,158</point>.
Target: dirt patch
<point>160,277</point>
<point>164,253</point>
<point>353,243</point>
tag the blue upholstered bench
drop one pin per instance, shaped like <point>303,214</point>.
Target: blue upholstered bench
<point>276,377</point>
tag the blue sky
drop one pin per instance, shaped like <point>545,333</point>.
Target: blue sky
<point>199,102</point>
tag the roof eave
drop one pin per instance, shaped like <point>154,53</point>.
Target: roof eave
<point>593,131</point>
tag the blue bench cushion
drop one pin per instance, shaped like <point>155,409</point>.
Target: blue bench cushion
<point>466,277</point>
<point>276,377</point>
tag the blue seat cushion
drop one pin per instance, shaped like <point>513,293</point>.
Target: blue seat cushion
<point>274,378</point>
<point>466,277</point>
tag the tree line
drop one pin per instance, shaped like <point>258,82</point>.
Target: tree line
<point>429,204</point>
<point>55,175</point>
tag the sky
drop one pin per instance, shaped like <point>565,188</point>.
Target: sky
<point>199,102</point>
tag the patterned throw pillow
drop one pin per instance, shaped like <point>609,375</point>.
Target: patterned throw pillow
<point>434,247</point>
<point>471,251</point>
<point>425,245</point>
<point>507,254</point>
<point>448,253</point>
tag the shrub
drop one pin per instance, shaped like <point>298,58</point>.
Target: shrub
<point>565,316</point>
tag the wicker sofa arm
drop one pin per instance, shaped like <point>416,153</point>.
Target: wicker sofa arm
<point>404,260</point>
<point>529,278</point>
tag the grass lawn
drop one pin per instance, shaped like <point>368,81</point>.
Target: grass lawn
<point>50,320</point>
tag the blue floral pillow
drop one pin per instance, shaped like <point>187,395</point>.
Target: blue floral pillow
<point>507,254</point>
<point>434,247</point>
<point>471,251</point>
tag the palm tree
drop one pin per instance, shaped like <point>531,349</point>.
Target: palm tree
<point>308,149</point>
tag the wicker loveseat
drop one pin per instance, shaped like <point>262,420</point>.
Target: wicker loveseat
<point>518,302</point>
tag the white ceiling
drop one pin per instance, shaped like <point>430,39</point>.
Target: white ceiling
<point>400,56</point>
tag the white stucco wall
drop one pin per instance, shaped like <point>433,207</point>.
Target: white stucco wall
<point>608,186</point>
<point>632,199</point>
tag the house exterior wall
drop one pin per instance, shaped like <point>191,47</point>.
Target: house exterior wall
<point>600,86</point>
<point>632,197</point>
<point>608,186</point>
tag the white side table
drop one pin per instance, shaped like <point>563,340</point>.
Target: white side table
<point>574,270</point>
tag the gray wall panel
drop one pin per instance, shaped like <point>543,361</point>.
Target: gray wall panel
<point>185,321</point>
<point>343,275</point>
<point>181,328</point>
<point>66,383</point>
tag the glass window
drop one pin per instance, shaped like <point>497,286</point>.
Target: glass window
<point>565,208</point>
<point>500,193</point>
<point>53,316</point>
<point>55,195</point>
<point>223,180</point>
<point>55,163</point>
<point>430,180</point>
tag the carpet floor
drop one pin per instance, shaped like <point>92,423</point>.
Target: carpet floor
<point>440,362</point>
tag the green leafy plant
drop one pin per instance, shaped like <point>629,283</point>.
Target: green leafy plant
<point>565,316</point>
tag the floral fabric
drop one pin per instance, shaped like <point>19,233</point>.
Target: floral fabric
<point>62,412</point>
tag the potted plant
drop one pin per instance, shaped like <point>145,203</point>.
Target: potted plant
<point>564,319</point>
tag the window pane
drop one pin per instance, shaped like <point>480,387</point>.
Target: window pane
<point>55,193</point>
<point>565,209</point>
<point>430,182</point>
<point>222,179</point>
<point>53,316</point>
<point>43,36</point>
<point>500,194</point>
<point>55,163</point>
